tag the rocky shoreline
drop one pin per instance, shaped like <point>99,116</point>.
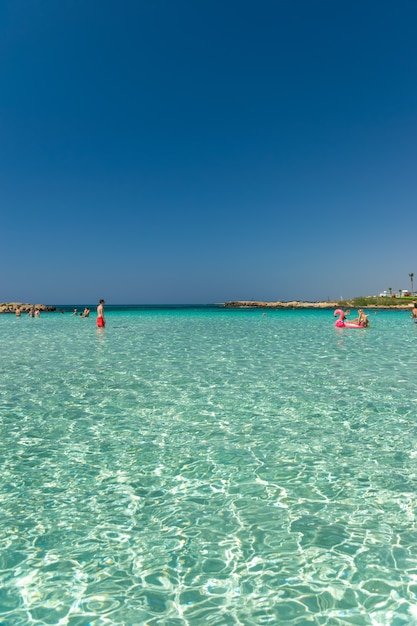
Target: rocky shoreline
<point>294,304</point>
<point>297,304</point>
<point>10,307</point>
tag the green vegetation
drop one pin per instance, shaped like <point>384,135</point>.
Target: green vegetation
<point>387,301</point>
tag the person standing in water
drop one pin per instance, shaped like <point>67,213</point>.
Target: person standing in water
<point>101,322</point>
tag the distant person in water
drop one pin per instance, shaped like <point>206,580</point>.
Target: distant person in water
<point>18,311</point>
<point>86,312</point>
<point>101,322</point>
<point>414,311</point>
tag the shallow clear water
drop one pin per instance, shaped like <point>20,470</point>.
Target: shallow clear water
<point>189,466</point>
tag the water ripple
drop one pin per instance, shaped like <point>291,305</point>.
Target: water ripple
<point>218,467</point>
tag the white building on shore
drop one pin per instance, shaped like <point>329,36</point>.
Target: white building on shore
<point>395,294</point>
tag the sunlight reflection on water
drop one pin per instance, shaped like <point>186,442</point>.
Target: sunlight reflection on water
<point>208,465</point>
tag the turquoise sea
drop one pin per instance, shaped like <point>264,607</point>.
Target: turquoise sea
<point>201,465</point>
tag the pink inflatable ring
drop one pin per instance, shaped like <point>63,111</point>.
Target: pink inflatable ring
<point>342,322</point>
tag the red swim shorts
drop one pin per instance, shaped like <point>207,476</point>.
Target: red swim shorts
<point>100,322</point>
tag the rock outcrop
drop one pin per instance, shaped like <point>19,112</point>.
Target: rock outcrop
<point>10,307</point>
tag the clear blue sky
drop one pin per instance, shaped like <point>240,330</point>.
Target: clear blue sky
<point>178,151</point>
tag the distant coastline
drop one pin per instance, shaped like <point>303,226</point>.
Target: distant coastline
<point>293,304</point>
<point>10,307</point>
<point>298,304</point>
